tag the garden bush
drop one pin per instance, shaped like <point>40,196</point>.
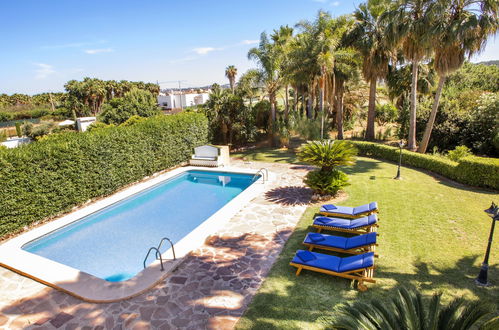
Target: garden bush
<point>49,177</point>
<point>476,171</point>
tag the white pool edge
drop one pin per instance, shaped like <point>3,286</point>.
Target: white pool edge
<point>93,289</point>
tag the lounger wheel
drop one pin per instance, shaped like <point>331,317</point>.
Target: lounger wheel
<point>362,287</point>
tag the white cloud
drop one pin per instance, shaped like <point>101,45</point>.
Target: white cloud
<point>249,42</point>
<point>335,3</point>
<point>204,50</point>
<point>43,71</point>
<point>98,51</point>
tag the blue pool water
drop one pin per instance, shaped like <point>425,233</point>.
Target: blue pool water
<point>112,243</point>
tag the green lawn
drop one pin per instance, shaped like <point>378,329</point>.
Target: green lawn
<point>433,235</point>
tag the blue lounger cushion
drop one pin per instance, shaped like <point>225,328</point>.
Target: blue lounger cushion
<point>305,256</point>
<point>346,223</point>
<point>347,210</point>
<point>339,242</point>
<point>315,237</point>
<point>337,264</point>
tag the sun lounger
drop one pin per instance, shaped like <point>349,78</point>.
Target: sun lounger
<point>357,226</point>
<point>347,211</point>
<point>358,267</point>
<point>351,245</point>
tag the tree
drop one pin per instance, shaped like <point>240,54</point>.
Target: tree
<point>408,27</point>
<point>269,58</point>
<point>459,32</point>
<point>230,73</point>
<point>282,39</point>
<point>409,310</point>
<point>248,86</point>
<point>136,102</point>
<point>369,37</point>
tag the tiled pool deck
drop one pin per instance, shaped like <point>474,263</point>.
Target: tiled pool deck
<point>209,290</point>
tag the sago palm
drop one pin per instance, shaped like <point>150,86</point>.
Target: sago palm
<point>328,154</point>
<point>409,310</point>
<point>461,29</point>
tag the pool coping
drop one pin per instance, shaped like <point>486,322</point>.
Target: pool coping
<point>93,289</point>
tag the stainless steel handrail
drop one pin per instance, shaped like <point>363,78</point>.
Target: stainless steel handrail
<point>265,175</point>
<point>157,252</point>
<point>161,243</point>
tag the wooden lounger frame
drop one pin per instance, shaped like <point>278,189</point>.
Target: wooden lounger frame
<point>347,216</point>
<point>357,250</point>
<point>361,275</point>
<point>359,230</point>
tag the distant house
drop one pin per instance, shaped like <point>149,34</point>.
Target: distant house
<point>174,100</point>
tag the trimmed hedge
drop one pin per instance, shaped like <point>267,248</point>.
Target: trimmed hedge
<point>475,171</point>
<point>60,171</point>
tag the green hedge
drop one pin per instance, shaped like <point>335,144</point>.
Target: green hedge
<point>476,171</point>
<point>51,176</point>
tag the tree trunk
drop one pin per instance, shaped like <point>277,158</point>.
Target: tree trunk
<point>371,111</point>
<point>321,107</point>
<point>271,118</point>
<point>224,133</point>
<point>295,99</point>
<point>286,105</point>
<point>309,105</point>
<point>339,113</point>
<point>429,125</point>
<point>411,143</point>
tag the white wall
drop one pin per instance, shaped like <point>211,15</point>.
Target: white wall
<point>188,100</point>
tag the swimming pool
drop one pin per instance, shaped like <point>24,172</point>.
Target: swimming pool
<point>96,252</point>
<point>112,243</point>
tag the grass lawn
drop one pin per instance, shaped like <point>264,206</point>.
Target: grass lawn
<point>433,234</point>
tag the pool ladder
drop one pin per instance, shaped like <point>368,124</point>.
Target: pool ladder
<point>158,253</point>
<point>265,175</point>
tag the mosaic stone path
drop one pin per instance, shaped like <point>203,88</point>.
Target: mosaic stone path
<point>209,290</point>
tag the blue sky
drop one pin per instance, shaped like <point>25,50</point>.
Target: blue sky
<point>46,43</point>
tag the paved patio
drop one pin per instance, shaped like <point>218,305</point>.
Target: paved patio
<point>210,289</point>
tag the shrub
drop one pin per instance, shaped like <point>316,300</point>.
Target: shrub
<point>326,182</point>
<point>477,171</point>
<point>46,178</point>
<point>6,116</point>
<point>18,129</point>
<point>386,113</point>
<point>458,153</point>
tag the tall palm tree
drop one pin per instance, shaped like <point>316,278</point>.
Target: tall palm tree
<point>282,39</point>
<point>408,310</point>
<point>248,86</point>
<point>369,37</point>
<point>269,59</point>
<point>461,30</point>
<point>408,27</point>
<point>345,70</point>
<point>230,73</point>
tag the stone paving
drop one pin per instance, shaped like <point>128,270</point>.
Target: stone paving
<point>210,289</point>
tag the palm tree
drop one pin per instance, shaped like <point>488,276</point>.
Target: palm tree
<point>369,37</point>
<point>248,86</point>
<point>282,39</point>
<point>408,27</point>
<point>345,70</point>
<point>230,73</point>
<point>269,59</point>
<point>328,154</point>
<point>408,310</point>
<point>459,32</point>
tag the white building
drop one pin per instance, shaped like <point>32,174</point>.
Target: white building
<point>174,101</point>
